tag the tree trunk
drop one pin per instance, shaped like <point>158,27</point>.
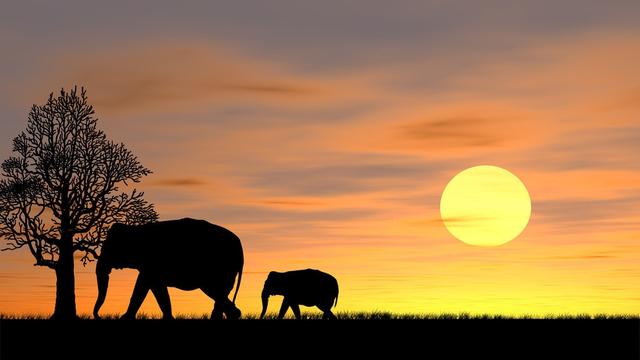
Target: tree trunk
<point>65,282</point>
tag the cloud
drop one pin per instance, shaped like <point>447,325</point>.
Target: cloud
<point>466,220</point>
<point>455,131</point>
<point>179,182</point>
<point>270,215</point>
<point>350,175</point>
<point>268,89</point>
<point>284,202</point>
<point>626,100</point>
<point>586,215</point>
<point>457,221</point>
<point>581,257</point>
<point>156,77</point>
<point>603,148</point>
<point>443,130</point>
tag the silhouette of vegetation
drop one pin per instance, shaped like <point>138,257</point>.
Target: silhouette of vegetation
<point>301,287</point>
<point>357,315</point>
<point>61,191</point>
<point>209,258</point>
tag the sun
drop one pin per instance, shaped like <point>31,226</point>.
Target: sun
<point>485,206</point>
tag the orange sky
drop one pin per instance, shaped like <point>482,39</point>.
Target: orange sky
<point>336,159</point>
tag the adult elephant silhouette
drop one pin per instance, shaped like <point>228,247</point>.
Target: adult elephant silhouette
<point>187,254</point>
<point>308,287</point>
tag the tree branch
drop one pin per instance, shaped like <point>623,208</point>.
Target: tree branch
<point>47,263</point>
<point>63,180</point>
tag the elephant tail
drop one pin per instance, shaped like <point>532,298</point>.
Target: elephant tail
<point>238,286</point>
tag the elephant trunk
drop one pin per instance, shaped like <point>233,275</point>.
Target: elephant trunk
<point>265,302</point>
<point>102,275</point>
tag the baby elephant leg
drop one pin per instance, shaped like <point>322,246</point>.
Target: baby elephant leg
<point>162,296</point>
<point>296,310</point>
<point>283,308</point>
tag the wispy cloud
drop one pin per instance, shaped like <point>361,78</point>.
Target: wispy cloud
<point>460,221</point>
<point>600,147</point>
<point>466,220</point>
<point>284,202</point>
<point>350,175</point>
<point>255,214</point>
<point>456,131</point>
<point>179,182</point>
<point>589,215</point>
<point>161,76</point>
<point>582,257</point>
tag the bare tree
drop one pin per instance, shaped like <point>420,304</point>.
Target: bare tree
<point>64,187</point>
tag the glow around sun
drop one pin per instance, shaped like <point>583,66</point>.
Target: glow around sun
<point>485,206</point>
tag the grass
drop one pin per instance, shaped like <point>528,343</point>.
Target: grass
<point>377,334</point>
<point>375,315</point>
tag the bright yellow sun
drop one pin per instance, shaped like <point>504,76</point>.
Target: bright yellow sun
<point>485,206</point>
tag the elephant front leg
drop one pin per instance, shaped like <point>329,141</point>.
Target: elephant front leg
<point>283,308</point>
<point>296,310</point>
<point>140,291</point>
<point>162,296</point>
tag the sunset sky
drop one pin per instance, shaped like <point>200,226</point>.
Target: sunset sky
<point>323,133</point>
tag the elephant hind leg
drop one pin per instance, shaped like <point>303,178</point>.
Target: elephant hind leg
<point>225,307</point>
<point>222,306</point>
<point>327,314</point>
<point>232,312</point>
<point>217,312</point>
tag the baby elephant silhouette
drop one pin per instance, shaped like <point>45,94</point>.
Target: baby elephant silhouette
<point>301,287</point>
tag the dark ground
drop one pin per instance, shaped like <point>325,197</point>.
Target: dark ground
<point>315,339</point>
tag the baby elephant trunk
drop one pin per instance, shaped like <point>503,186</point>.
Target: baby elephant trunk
<point>265,302</point>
